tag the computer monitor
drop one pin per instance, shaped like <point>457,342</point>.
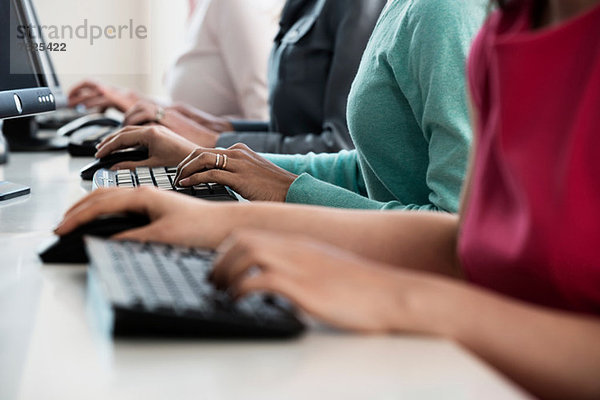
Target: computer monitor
<point>22,89</point>
<point>47,73</point>
<point>24,78</point>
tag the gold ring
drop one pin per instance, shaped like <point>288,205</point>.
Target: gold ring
<point>217,161</point>
<point>224,166</point>
<point>160,114</point>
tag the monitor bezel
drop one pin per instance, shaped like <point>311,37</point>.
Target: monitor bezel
<point>27,101</point>
<point>47,75</point>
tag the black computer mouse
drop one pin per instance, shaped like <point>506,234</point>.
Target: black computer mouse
<point>70,248</point>
<point>136,154</point>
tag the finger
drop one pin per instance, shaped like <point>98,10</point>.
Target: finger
<point>140,110</point>
<point>251,247</point>
<point>148,233</point>
<point>210,176</point>
<point>125,140</point>
<point>203,161</point>
<point>97,195</point>
<point>272,283</point>
<point>90,197</point>
<point>236,257</point>
<point>139,118</point>
<point>84,86</point>
<point>115,134</point>
<point>136,108</point>
<point>80,97</point>
<point>100,102</point>
<point>109,202</point>
<point>197,151</point>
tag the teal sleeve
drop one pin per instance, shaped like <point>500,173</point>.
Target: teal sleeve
<point>340,169</point>
<point>309,190</point>
<point>436,61</point>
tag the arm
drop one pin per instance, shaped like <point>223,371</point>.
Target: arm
<point>352,26</point>
<point>333,180</point>
<point>339,169</point>
<point>553,354</point>
<point>435,89</point>
<point>387,237</point>
<point>245,34</point>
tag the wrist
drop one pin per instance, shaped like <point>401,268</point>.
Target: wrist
<point>220,125</point>
<point>286,183</point>
<point>225,219</point>
<point>210,139</point>
<point>435,306</point>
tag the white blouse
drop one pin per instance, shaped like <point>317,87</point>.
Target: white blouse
<point>222,68</point>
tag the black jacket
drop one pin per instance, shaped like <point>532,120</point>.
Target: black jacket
<point>313,63</point>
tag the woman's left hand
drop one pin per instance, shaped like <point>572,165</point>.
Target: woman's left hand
<point>335,286</point>
<point>145,112</point>
<point>238,167</point>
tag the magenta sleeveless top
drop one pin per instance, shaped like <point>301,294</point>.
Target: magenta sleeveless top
<point>531,229</point>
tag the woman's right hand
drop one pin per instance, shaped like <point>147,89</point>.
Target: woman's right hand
<point>172,216</point>
<point>165,148</point>
<point>92,94</point>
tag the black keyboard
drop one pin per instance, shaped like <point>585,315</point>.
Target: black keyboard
<point>159,290</point>
<point>162,178</point>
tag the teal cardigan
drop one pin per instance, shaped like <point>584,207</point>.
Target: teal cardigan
<point>407,114</point>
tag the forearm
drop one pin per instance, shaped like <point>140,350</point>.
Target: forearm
<point>340,169</point>
<point>553,354</point>
<point>422,241</point>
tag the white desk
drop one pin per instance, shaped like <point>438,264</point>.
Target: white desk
<point>50,347</point>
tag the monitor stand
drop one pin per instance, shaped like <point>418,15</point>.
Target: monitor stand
<point>22,134</point>
<point>3,149</point>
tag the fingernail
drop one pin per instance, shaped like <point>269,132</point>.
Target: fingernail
<point>184,182</point>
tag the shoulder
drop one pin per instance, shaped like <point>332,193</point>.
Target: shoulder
<point>479,59</point>
<point>440,15</point>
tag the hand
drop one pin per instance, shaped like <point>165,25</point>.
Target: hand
<point>165,148</point>
<point>175,218</point>
<point>212,122</point>
<point>146,111</point>
<point>92,94</point>
<point>335,286</point>
<point>246,172</point>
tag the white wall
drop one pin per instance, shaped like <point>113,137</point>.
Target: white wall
<point>139,65</point>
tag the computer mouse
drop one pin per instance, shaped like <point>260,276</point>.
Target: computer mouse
<point>136,154</point>
<point>70,248</point>
<point>86,121</point>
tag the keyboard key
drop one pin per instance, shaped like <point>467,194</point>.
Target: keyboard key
<point>156,284</point>
<point>163,179</point>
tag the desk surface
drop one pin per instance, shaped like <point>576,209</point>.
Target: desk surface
<point>51,348</point>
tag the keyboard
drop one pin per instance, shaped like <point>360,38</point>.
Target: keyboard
<point>159,290</point>
<point>163,178</point>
